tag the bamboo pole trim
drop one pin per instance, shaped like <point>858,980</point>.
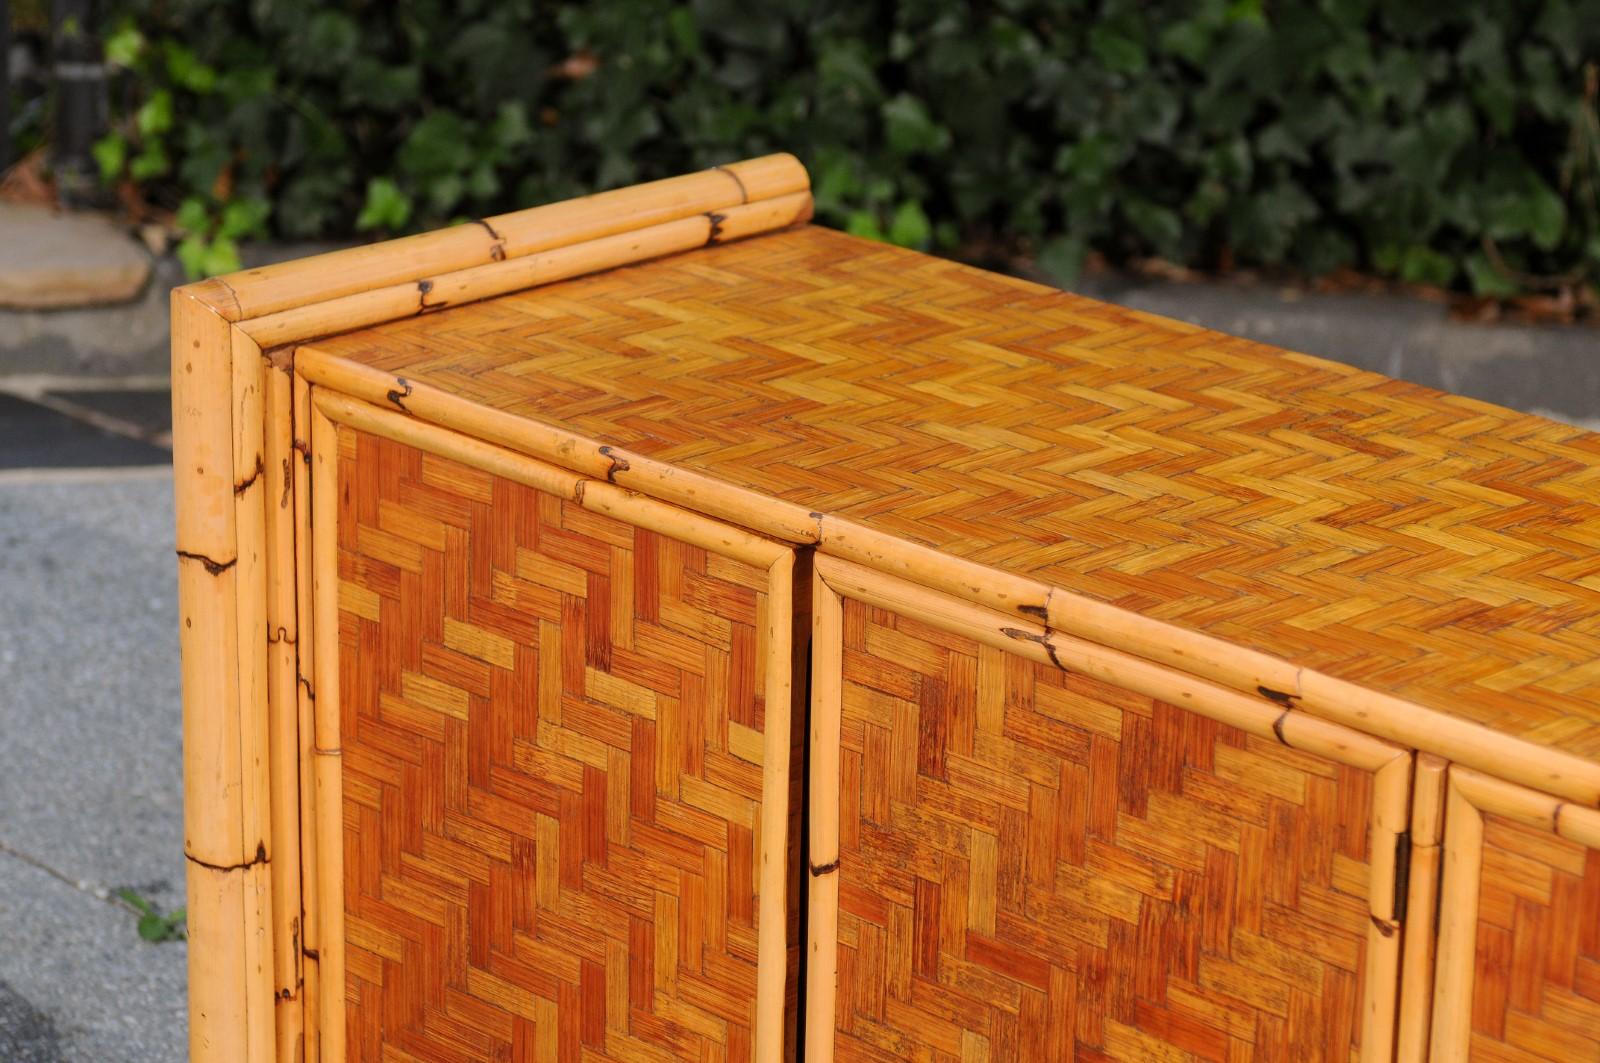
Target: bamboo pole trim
<point>430,294</point>
<point>1564,819</point>
<point>270,289</point>
<point>600,496</point>
<point>1290,727</point>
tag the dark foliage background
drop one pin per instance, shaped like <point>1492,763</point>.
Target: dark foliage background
<point>1445,144</point>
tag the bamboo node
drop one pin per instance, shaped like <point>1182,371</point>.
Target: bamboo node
<point>1385,927</point>
<point>216,568</point>
<point>1043,640</point>
<point>397,396</point>
<point>1277,725</point>
<point>715,235</point>
<point>618,464</point>
<point>1286,700</point>
<point>744,193</point>
<point>818,870</point>
<point>259,858</point>
<point>249,481</point>
<point>423,306</point>
<point>497,251</point>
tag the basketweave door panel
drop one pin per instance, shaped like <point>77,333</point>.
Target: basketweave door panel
<point>1034,864</point>
<point>562,733</point>
<point>1518,972</point>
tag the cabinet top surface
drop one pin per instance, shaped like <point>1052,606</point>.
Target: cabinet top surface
<point>1415,542</point>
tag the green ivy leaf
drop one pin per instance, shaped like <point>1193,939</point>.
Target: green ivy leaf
<point>245,218</point>
<point>110,155</point>
<point>191,252</point>
<point>155,117</point>
<point>1062,258</point>
<point>186,69</point>
<point>1119,53</point>
<point>1488,281</point>
<point>151,162</point>
<point>910,226</point>
<point>910,129</point>
<point>124,45</point>
<point>221,257</point>
<point>864,223</point>
<point>1424,265</point>
<point>193,216</point>
<point>386,207</point>
<point>437,145</point>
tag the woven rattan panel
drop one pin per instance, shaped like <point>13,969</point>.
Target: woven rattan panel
<point>1034,864</point>
<point>551,728</point>
<point>1536,991</point>
<point>1418,543</point>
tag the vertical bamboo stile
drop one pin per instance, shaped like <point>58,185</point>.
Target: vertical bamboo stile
<point>1391,802</point>
<point>1416,975</point>
<point>329,800</point>
<point>827,703</point>
<point>214,840</point>
<point>283,711</point>
<point>1458,923</point>
<point>305,716</point>
<point>248,384</point>
<point>772,920</point>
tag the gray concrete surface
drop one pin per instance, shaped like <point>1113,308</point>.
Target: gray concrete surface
<point>90,766</point>
<point>1551,370</point>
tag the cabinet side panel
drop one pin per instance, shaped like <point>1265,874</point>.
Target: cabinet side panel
<point>552,730</point>
<point>1536,984</point>
<point>1037,865</point>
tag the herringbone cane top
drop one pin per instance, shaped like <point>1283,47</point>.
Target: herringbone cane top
<point>1421,544</point>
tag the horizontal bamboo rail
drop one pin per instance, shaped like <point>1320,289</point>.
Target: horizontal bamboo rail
<point>371,306</point>
<point>267,290</point>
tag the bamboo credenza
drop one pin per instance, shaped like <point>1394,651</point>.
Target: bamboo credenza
<point>650,627</point>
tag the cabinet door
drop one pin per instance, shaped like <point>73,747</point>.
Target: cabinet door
<point>1518,974</point>
<point>1028,847</point>
<point>553,767</point>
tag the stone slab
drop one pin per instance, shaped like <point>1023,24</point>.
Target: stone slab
<point>51,259</point>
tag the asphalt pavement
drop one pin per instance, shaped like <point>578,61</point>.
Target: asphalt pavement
<point>90,753</point>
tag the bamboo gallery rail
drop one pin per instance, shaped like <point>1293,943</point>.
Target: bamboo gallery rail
<point>651,627</point>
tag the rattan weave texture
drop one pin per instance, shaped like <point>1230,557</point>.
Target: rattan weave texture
<point>1536,992</point>
<point>1414,542</point>
<point>1037,865</point>
<point>551,728</point>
